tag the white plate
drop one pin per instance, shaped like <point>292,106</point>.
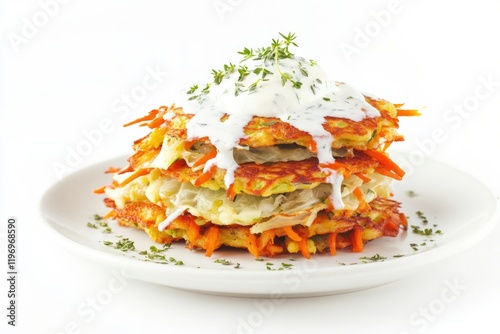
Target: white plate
<point>453,202</point>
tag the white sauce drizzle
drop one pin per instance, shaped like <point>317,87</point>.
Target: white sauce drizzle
<point>171,217</point>
<point>304,108</point>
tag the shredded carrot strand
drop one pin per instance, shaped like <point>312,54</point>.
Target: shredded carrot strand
<point>188,144</point>
<point>273,249</point>
<point>152,115</point>
<point>358,194</point>
<point>311,146</point>
<point>156,122</point>
<point>391,226</point>
<point>212,240</point>
<point>206,157</point>
<point>251,244</point>
<point>126,170</point>
<point>334,165</point>
<point>385,161</point>
<point>99,190</point>
<point>266,238</point>
<point>303,248</point>
<point>408,112</point>
<point>363,177</point>
<point>204,177</point>
<point>388,173</point>
<point>133,176</point>
<point>404,221</point>
<point>360,197</point>
<point>112,170</point>
<point>230,193</point>
<point>332,243</point>
<point>193,231</point>
<point>109,214</point>
<point>329,205</point>
<point>363,206</point>
<point>291,233</point>
<point>357,240</point>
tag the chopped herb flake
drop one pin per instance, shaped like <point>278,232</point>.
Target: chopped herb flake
<point>223,262</point>
<point>426,231</point>
<point>125,245</point>
<point>422,217</point>
<point>374,258</point>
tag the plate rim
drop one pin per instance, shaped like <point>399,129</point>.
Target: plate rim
<point>403,266</point>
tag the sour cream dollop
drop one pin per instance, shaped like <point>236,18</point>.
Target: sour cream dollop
<point>303,100</point>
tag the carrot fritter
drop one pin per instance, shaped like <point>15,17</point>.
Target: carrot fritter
<point>274,178</point>
<point>367,134</point>
<point>383,219</point>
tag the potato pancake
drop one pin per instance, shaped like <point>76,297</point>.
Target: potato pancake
<point>272,156</point>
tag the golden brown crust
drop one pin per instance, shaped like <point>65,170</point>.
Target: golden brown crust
<point>358,147</point>
<point>273,178</point>
<point>383,219</point>
<point>369,133</point>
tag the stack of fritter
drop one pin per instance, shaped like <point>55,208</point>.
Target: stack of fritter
<point>271,157</point>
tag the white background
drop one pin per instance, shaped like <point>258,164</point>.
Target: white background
<point>67,68</point>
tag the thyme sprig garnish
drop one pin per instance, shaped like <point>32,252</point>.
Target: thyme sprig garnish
<point>257,62</point>
<point>281,50</point>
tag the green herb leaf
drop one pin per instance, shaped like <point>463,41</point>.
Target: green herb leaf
<point>374,258</point>
<point>278,50</point>
<point>422,217</point>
